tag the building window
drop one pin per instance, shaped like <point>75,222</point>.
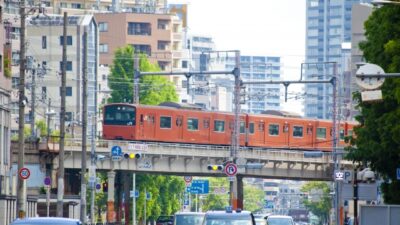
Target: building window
<point>69,66</point>
<point>163,45</point>
<point>219,126</point>
<point>139,28</point>
<point>44,93</point>
<point>68,91</point>
<point>15,82</point>
<point>69,40</point>
<point>297,131</point>
<point>44,42</point>
<point>163,24</point>
<point>184,64</point>
<point>103,26</point>
<point>145,49</point>
<point>321,133</point>
<point>76,5</point>
<point>165,122</point>
<point>68,116</point>
<point>104,77</point>
<point>274,129</point>
<point>193,124</point>
<point>103,48</point>
<point>15,58</point>
<point>63,5</point>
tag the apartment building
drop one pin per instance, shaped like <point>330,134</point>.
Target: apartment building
<point>46,38</point>
<point>328,32</point>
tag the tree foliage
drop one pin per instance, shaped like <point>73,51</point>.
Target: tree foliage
<point>253,198</point>
<point>378,144</point>
<point>153,89</point>
<point>321,207</point>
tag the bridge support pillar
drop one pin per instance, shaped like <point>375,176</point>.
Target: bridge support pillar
<point>111,215</point>
<point>237,202</point>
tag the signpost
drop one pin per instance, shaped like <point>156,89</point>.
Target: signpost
<point>24,173</point>
<point>198,187</point>
<point>188,179</point>
<point>230,169</point>
<point>116,153</point>
<point>47,184</point>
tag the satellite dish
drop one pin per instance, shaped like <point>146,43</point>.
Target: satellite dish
<point>370,83</point>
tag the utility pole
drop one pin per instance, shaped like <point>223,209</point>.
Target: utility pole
<point>84,131</point>
<point>93,167</point>
<point>33,95</point>
<point>21,189</point>
<point>48,119</point>
<point>136,76</point>
<point>60,178</point>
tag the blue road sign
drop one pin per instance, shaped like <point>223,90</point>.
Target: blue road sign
<point>136,194</point>
<point>148,196</point>
<point>398,173</point>
<point>198,187</point>
<point>116,151</point>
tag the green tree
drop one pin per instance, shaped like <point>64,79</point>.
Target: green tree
<point>377,144</point>
<point>253,198</point>
<point>153,89</point>
<point>216,201</point>
<point>322,206</point>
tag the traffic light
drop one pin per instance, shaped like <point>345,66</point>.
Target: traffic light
<point>215,167</point>
<point>132,155</point>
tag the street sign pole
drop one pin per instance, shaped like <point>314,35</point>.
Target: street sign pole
<point>134,199</point>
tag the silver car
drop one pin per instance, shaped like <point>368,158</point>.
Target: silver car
<point>279,220</point>
<point>189,218</point>
<point>46,221</point>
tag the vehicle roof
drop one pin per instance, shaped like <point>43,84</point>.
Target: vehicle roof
<point>190,213</point>
<point>46,220</point>
<point>224,213</point>
<point>279,216</point>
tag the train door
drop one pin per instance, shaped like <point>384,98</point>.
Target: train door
<point>261,132</point>
<point>207,129</point>
<point>148,126</point>
<point>179,126</point>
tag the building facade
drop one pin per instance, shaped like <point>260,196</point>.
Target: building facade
<point>46,37</point>
<point>5,104</point>
<point>328,34</point>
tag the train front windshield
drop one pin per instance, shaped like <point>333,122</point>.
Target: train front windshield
<point>120,115</point>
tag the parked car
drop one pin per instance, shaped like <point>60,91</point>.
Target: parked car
<point>46,221</point>
<point>189,218</point>
<point>279,220</point>
<point>165,220</point>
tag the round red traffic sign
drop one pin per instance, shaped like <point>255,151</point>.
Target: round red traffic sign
<point>230,169</point>
<point>188,179</point>
<point>24,173</point>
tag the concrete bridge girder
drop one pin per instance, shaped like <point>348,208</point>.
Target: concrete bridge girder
<point>193,160</point>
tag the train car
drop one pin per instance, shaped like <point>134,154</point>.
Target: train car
<point>122,121</point>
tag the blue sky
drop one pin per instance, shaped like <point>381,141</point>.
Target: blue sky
<point>255,27</point>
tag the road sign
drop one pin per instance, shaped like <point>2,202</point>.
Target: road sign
<point>116,151</point>
<point>148,195</point>
<point>98,186</point>
<point>398,173</point>
<point>370,83</point>
<point>230,169</point>
<point>339,175</point>
<point>199,187</point>
<point>188,179</point>
<point>138,147</point>
<point>47,181</point>
<point>136,194</point>
<point>24,173</point>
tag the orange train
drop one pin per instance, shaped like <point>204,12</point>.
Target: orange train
<point>123,121</point>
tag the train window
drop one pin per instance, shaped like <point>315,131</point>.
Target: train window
<point>251,128</point>
<point>119,115</point>
<point>273,129</point>
<point>206,123</point>
<point>242,128</point>
<point>193,124</point>
<point>165,122</point>
<point>341,132</point>
<point>321,132</point>
<point>219,126</point>
<point>297,131</point>
<point>261,126</point>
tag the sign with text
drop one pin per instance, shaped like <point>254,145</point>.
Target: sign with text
<point>199,187</point>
